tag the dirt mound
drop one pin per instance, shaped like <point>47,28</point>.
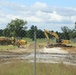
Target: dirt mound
<point>57,45</point>
<point>61,45</point>
<point>31,46</point>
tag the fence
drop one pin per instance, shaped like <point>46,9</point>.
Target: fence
<point>31,55</point>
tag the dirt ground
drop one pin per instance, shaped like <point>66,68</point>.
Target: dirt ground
<point>70,49</point>
<point>67,55</point>
<point>26,49</point>
<point>40,48</point>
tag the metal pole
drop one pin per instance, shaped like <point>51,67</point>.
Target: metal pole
<point>35,52</point>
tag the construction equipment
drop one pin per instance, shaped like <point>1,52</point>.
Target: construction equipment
<point>18,42</point>
<point>59,42</point>
<point>14,41</point>
<point>5,41</point>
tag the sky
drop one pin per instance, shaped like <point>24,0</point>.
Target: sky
<point>45,14</point>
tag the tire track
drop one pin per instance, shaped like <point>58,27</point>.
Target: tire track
<point>67,58</point>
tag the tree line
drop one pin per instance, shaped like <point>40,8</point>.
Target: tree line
<point>18,28</point>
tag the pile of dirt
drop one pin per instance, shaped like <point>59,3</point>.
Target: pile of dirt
<point>57,45</point>
<point>31,46</point>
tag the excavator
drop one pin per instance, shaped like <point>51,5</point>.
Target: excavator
<point>59,42</point>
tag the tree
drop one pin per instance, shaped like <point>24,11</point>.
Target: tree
<point>73,34</point>
<point>30,32</point>
<point>65,29</point>
<point>66,32</point>
<point>22,33</point>
<point>69,33</point>
<point>16,27</point>
<point>40,34</point>
<point>1,32</point>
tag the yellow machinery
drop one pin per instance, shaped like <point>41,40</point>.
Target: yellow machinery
<point>13,41</point>
<point>21,42</point>
<point>58,40</point>
<point>18,42</point>
<point>51,33</point>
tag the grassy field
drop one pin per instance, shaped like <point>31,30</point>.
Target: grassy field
<point>23,68</point>
<point>9,47</point>
<point>29,41</point>
<point>40,41</point>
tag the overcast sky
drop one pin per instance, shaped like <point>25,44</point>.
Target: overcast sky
<point>45,14</point>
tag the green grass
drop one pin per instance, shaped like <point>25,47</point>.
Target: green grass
<point>9,47</point>
<point>23,68</point>
<point>28,40</point>
<point>41,41</point>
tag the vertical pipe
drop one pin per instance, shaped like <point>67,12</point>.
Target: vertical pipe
<point>35,52</point>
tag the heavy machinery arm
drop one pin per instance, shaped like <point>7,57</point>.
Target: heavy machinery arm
<point>45,32</point>
<point>58,40</point>
<point>52,33</point>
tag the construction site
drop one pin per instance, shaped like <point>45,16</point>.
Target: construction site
<point>49,53</point>
<point>40,53</point>
<point>37,37</point>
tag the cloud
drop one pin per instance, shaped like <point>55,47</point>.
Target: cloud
<point>73,18</point>
<point>39,14</point>
<point>39,6</point>
<point>65,11</point>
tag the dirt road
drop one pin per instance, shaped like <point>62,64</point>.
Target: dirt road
<point>44,55</point>
<point>66,58</point>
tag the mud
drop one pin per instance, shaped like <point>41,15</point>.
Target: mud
<point>58,45</point>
